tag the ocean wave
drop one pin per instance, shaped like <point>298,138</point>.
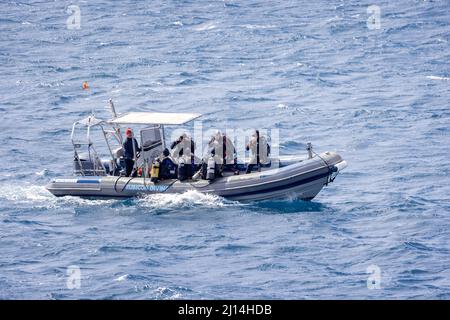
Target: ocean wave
<point>438,78</point>
<point>206,26</point>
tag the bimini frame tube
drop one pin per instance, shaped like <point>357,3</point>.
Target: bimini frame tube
<point>75,148</point>
<point>116,127</point>
<point>92,153</point>
<point>114,165</point>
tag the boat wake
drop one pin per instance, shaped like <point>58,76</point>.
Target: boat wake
<point>188,199</point>
<point>38,197</point>
<point>24,194</point>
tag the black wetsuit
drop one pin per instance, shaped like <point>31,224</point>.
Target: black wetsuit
<point>128,154</point>
<point>168,169</point>
<point>180,153</point>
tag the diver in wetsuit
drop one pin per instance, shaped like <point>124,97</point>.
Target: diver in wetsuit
<point>168,166</point>
<point>183,151</point>
<point>225,152</point>
<point>260,149</point>
<point>182,146</point>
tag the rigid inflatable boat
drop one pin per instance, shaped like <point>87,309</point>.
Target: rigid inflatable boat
<point>300,177</point>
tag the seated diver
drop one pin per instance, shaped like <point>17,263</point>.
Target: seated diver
<point>183,152</point>
<point>260,151</point>
<point>225,152</point>
<point>182,146</point>
<point>168,167</point>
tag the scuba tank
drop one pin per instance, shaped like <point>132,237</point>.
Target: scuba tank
<point>154,173</point>
<point>211,169</point>
<point>182,169</point>
<point>203,169</point>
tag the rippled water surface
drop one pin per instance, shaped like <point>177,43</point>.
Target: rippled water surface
<point>312,69</point>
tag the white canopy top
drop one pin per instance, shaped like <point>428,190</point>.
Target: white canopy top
<point>155,118</point>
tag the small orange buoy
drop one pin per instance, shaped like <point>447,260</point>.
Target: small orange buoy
<point>85,85</point>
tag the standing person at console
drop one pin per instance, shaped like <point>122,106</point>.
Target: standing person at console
<point>130,148</point>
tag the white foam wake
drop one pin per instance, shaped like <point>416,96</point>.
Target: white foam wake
<point>438,78</point>
<point>256,26</point>
<point>26,193</point>
<point>187,199</point>
<point>39,197</point>
<point>205,26</point>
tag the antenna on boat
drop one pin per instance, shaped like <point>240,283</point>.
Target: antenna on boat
<point>309,149</point>
<point>114,116</point>
<point>113,109</point>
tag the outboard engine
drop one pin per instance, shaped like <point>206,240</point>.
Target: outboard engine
<point>211,169</point>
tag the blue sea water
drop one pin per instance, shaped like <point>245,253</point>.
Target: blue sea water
<point>312,69</point>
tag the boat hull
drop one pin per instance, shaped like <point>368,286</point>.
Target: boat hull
<point>303,180</point>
